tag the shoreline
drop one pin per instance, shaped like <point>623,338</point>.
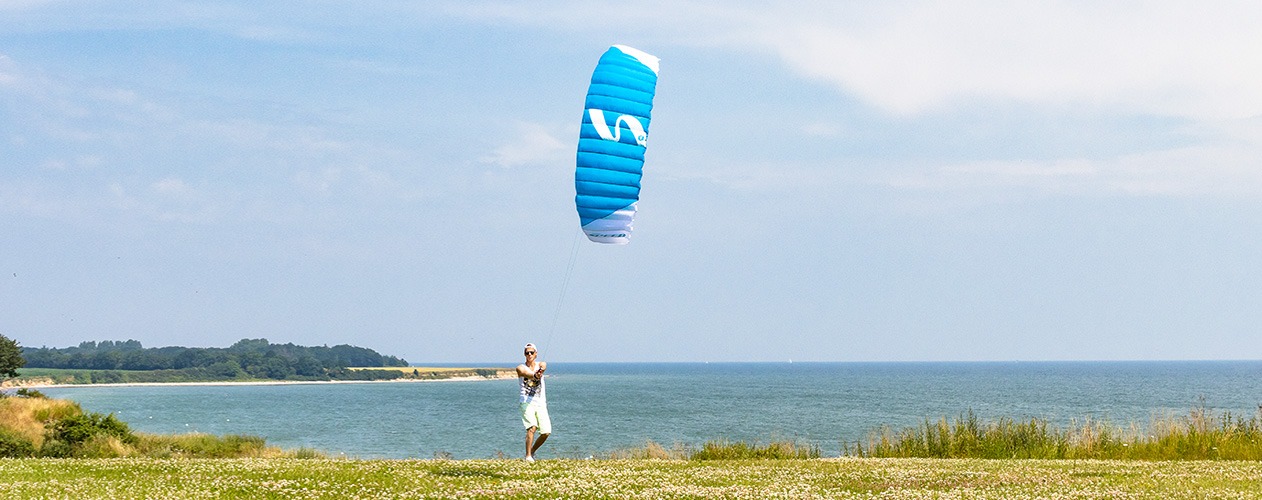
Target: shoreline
<point>252,382</point>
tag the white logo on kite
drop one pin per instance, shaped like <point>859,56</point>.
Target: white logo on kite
<point>598,121</point>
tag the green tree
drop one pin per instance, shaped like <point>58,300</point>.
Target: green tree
<point>277,367</point>
<point>10,357</point>
<point>308,367</point>
<point>108,360</point>
<point>225,369</point>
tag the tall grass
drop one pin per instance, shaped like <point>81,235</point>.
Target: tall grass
<point>201,445</point>
<point>198,445</point>
<point>193,445</point>
<point>1199,435</point>
<point>649,450</point>
<point>740,450</point>
<point>718,450</point>
<point>27,417</point>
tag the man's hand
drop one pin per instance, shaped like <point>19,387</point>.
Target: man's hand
<point>543,365</point>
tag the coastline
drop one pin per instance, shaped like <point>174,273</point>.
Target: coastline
<point>11,384</point>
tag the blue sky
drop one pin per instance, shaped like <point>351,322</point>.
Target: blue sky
<point>833,181</point>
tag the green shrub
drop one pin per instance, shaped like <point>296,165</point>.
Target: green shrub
<point>30,393</point>
<point>13,445</point>
<point>77,429</point>
<point>56,449</point>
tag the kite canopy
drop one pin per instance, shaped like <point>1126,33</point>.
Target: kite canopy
<point>612,141</point>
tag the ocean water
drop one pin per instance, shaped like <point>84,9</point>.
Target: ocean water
<point>598,406</point>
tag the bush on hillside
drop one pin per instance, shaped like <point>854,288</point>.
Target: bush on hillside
<point>55,409</point>
<point>14,446</point>
<point>33,426</point>
<point>67,436</point>
<point>30,393</point>
<point>28,418</point>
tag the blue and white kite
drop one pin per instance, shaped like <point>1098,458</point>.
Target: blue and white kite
<point>612,141</point>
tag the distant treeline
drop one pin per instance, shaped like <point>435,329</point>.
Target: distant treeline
<point>248,358</point>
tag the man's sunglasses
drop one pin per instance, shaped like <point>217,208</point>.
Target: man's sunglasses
<point>529,352</point>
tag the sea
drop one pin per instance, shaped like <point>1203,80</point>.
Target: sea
<point>600,407</point>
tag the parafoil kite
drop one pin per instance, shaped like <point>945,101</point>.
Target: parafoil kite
<point>612,141</point>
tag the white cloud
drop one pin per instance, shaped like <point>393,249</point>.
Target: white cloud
<point>63,110</point>
<point>53,164</point>
<point>172,186</point>
<point>318,182</point>
<point>101,134</point>
<point>273,33</point>
<point>120,198</point>
<point>821,129</point>
<point>1226,167</point>
<point>912,57</point>
<point>530,144</point>
<point>16,5</point>
<point>1146,57</point>
<point>1192,63</point>
<point>170,199</point>
<point>363,183</point>
<point>82,161</point>
<point>8,74</point>
<point>906,56</point>
<point>13,77</point>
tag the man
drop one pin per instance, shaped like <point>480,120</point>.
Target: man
<point>534,408</point>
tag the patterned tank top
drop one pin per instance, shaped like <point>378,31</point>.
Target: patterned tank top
<point>532,390</point>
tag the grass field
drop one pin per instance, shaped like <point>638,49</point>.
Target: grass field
<point>128,478</point>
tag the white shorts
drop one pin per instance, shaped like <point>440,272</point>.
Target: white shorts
<point>536,415</point>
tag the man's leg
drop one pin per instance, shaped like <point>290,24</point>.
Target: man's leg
<point>530,439</point>
<point>542,438</point>
<point>544,423</point>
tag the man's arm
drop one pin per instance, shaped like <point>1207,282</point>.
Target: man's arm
<point>526,372</point>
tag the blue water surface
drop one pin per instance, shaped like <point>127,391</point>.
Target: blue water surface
<point>600,406</point>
